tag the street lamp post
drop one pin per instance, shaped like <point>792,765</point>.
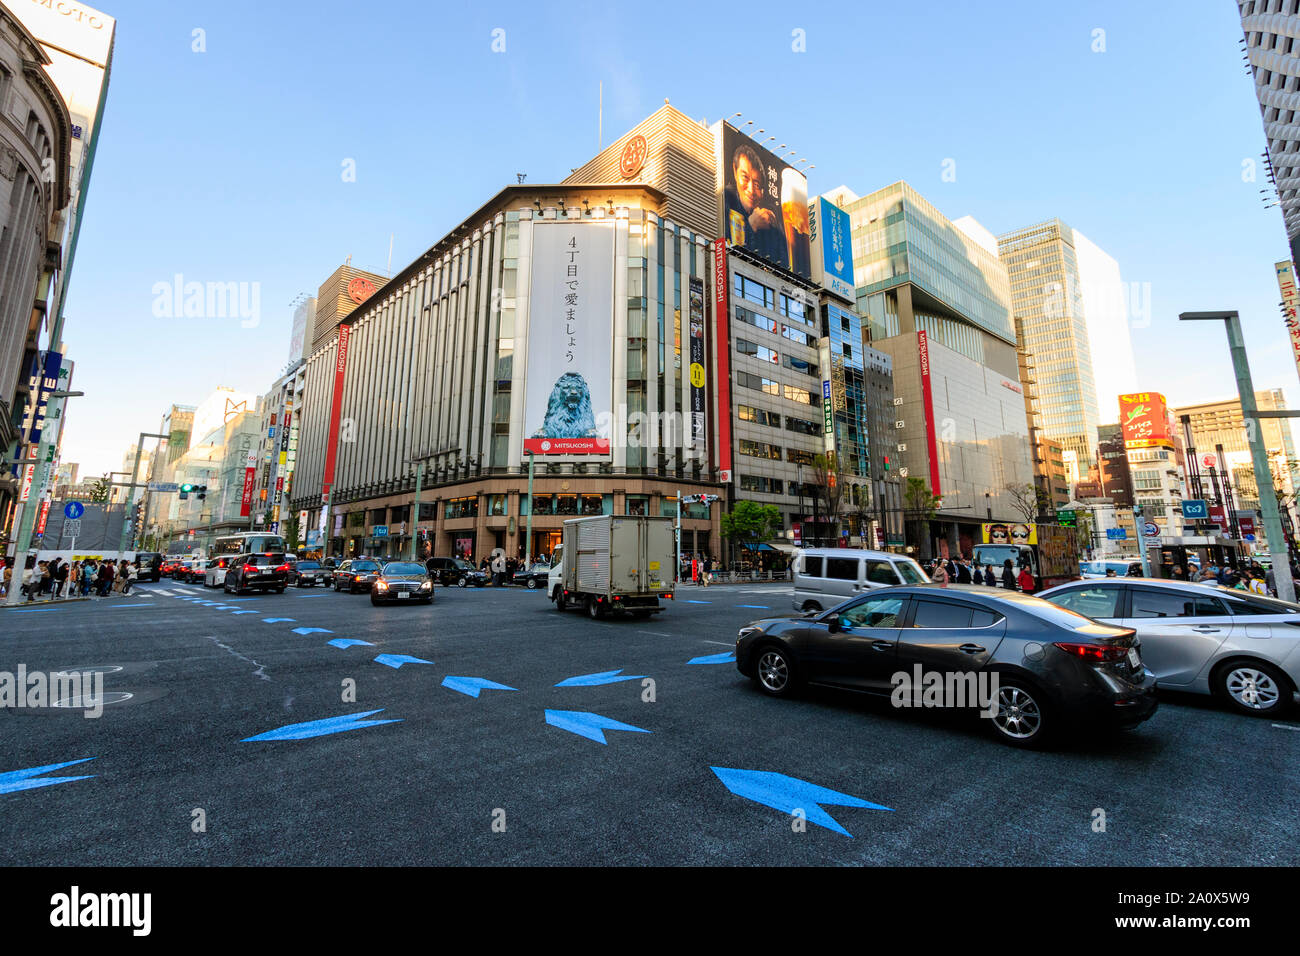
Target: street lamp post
<point>130,493</point>
<point>1258,453</point>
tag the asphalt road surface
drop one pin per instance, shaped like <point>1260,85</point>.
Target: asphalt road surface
<point>512,776</point>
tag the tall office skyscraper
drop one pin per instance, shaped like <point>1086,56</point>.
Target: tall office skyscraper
<point>1048,303</point>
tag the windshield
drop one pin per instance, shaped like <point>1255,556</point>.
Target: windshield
<point>464,565</point>
<point>364,566</point>
<point>996,554</point>
<point>308,565</point>
<point>403,567</point>
<point>911,572</point>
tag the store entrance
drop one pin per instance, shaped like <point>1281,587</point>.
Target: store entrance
<point>545,543</point>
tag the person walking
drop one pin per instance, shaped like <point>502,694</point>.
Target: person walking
<point>105,578</point>
<point>989,580</point>
<point>939,575</point>
<point>61,580</point>
<point>1008,576</point>
<point>87,577</point>
<point>1025,580</point>
<point>1257,585</point>
<point>963,572</point>
<point>129,574</point>
<point>708,570</point>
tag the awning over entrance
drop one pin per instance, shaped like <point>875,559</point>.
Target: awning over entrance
<point>761,547</point>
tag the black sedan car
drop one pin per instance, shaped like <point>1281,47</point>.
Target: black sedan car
<point>1033,668</point>
<point>457,571</point>
<point>533,578</point>
<point>356,575</point>
<point>402,582</point>
<point>307,574</point>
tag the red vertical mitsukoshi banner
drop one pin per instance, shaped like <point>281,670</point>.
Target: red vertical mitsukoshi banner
<point>932,443</point>
<point>336,410</point>
<point>723,354</point>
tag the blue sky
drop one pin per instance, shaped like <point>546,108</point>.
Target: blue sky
<point>226,165</point>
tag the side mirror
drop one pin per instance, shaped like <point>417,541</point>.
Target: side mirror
<point>833,624</point>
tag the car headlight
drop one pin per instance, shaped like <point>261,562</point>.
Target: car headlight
<point>382,585</point>
<point>746,632</point>
<point>426,585</point>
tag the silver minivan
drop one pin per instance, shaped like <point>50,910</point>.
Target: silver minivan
<point>823,577</point>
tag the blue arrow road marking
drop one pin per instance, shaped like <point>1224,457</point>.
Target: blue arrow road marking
<point>16,780</point>
<point>788,794</point>
<point>277,620</point>
<point>320,728</point>
<point>763,607</point>
<point>724,658</point>
<point>244,612</point>
<point>689,601</point>
<point>470,686</point>
<point>395,661</point>
<point>143,604</point>
<point>595,680</point>
<point>348,642</point>
<point>311,630</point>
<point>586,724</point>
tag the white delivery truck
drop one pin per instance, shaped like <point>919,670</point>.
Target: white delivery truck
<point>619,564</point>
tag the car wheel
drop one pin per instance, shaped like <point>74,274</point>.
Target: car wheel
<point>775,672</point>
<point>1023,719</point>
<point>811,606</point>
<point>280,589</point>
<point>593,608</point>
<point>1254,688</point>
<point>532,584</point>
<point>560,603</point>
<point>463,582</point>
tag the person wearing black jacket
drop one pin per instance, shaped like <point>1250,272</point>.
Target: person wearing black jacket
<point>1008,575</point>
<point>963,572</point>
<point>989,580</point>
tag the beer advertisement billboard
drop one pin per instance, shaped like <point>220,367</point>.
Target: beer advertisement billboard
<point>568,395</point>
<point>1144,420</point>
<point>764,203</point>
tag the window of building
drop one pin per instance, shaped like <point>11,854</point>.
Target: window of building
<point>759,416</point>
<point>461,507</point>
<point>759,449</point>
<point>798,456</point>
<point>753,318</point>
<point>760,352</point>
<point>497,504</point>
<point>761,484</point>
<point>755,292</point>
<point>801,365</point>
<point>803,426</point>
<point>795,394</point>
<point>638,504</point>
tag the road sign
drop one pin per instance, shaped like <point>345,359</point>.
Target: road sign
<point>164,486</point>
<point>1116,534</point>
<point>74,509</point>
<point>1196,509</point>
<point>1151,529</point>
<point>72,527</point>
<point>381,531</point>
<point>1066,518</point>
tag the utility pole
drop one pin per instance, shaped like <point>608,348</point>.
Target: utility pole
<point>528,534</point>
<point>130,492</point>
<point>1268,510</point>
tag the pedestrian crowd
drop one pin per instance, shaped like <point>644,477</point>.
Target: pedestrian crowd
<point>57,579</point>
<point>945,571</point>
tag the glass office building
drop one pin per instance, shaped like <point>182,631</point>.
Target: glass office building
<point>936,299</point>
<point>1048,303</point>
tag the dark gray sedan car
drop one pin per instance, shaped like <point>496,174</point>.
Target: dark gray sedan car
<point>402,582</point>
<point>1034,668</point>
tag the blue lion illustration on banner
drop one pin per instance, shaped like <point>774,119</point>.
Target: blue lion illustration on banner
<point>568,411</point>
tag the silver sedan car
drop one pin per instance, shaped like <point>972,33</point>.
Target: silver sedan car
<point>1202,639</point>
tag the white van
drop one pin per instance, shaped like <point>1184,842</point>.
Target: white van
<point>824,577</point>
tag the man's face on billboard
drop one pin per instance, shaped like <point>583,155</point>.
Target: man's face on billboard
<point>749,182</point>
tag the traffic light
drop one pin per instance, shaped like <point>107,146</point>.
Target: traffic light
<point>886,462</point>
<point>185,491</point>
<point>203,492</point>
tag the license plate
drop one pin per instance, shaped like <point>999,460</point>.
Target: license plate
<point>402,595</point>
<point>1134,661</point>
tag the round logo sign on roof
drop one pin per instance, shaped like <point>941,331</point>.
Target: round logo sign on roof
<point>633,157</point>
<point>360,289</point>
<point>1209,461</point>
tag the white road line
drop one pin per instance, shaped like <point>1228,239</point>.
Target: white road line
<point>1286,727</point>
<point>655,633</point>
<point>723,643</point>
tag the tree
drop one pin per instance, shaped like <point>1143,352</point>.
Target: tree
<point>100,488</point>
<point>291,532</point>
<point>1024,498</point>
<point>750,523</point>
<point>921,502</point>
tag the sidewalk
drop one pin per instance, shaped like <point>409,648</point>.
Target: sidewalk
<point>41,603</point>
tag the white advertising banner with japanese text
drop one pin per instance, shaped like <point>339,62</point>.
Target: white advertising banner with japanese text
<point>568,396</point>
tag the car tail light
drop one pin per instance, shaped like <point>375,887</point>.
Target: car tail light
<point>284,568</point>
<point>1097,653</point>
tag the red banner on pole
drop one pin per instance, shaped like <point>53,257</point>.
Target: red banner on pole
<point>931,440</point>
<point>722,346</point>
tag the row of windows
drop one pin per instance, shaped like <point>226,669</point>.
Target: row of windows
<point>761,416</point>
<point>757,382</point>
<point>759,294</point>
<point>760,352</point>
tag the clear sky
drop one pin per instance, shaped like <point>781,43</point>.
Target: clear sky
<point>227,165</point>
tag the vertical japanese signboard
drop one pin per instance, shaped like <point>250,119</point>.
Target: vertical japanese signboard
<point>722,351</point>
<point>568,393</point>
<point>1290,306</point>
<point>698,376</point>
<point>832,249</point>
<point>246,499</point>
<point>336,412</point>
<point>927,399</point>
